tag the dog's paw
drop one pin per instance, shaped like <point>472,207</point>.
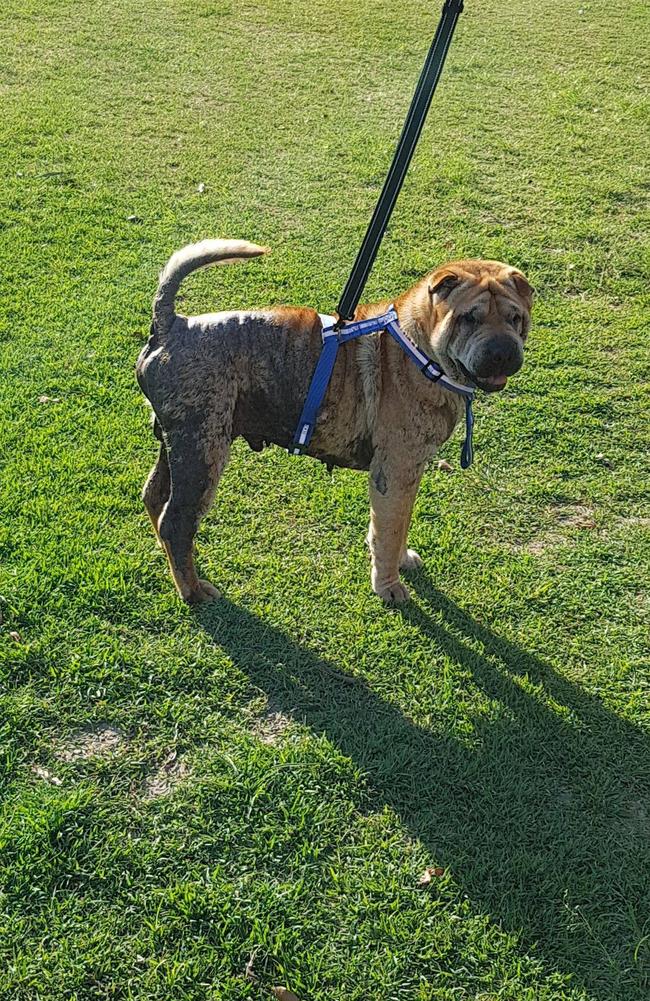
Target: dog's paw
<point>392,594</point>
<point>410,560</point>
<point>204,592</point>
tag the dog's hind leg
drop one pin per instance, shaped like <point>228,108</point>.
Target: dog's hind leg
<point>196,462</point>
<point>156,490</point>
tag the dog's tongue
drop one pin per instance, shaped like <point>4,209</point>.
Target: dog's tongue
<point>497,380</point>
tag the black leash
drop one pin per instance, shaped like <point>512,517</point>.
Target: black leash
<point>405,148</point>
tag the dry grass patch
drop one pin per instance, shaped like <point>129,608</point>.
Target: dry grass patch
<point>98,741</point>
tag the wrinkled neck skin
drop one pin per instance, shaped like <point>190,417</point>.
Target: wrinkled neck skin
<point>427,325</point>
<point>417,318</point>
<point>387,372</point>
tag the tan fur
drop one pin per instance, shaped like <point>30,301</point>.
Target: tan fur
<point>215,377</point>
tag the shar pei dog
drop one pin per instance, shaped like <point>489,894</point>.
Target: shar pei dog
<point>219,376</point>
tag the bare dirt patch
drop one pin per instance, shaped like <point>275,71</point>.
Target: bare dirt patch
<point>634,522</point>
<point>98,741</point>
<point>163,781</point>
<point>564,519</point>
<point>46,775</point>
<point>271,725</point>
<point>575,516</point>
<point>639,817</point>
<point>539,545</point>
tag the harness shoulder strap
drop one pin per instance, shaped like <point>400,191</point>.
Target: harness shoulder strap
<point>334,335</point>
<point>315,394</point>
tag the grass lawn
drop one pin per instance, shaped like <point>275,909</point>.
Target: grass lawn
<point>271,775</point>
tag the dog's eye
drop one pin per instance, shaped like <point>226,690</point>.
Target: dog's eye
<point>473,316</point>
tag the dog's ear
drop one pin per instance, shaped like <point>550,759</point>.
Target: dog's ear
<point>443,281</point>
<point>521,285</point>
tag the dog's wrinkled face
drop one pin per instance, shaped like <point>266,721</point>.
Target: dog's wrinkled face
<point>479,322</point>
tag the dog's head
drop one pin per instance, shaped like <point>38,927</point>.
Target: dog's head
<point>476,316</point>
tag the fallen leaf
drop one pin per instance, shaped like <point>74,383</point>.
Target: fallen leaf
<point>48,399</point>
<point>133,218</point>
<point>43,773</point>
<point>284,994</point>
<point>429,873</point>
<point>16,637</point>
<point>200,188</point>
<point>604,460</point>
<point>444,466</point>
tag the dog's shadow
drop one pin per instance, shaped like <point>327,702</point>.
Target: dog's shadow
<point>543,816</point>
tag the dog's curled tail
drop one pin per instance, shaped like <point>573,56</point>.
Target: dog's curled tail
<point>183,262</point>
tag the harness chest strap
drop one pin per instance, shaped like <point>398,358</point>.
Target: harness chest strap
<point>333,338</point>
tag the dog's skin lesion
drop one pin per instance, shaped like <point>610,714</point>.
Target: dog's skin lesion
<point>219,376</point>
<point>379,479</point>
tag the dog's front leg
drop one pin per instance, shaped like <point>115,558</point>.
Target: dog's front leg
<point>392,494</point>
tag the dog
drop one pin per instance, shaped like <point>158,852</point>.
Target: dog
<point>219,376</point>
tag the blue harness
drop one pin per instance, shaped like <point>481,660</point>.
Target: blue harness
<point>333,337</point>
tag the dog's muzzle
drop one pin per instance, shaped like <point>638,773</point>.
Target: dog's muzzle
<point>493,361</point>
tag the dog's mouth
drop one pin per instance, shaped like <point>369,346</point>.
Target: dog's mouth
<point>489,384</point>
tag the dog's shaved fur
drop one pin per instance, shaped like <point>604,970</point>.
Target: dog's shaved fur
<point>219,376</point>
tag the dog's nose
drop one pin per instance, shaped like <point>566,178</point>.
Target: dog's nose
<point>502,355</point>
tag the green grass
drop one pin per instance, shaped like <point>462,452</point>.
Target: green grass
<point>327,749</point>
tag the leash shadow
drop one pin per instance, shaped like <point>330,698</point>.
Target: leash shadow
<point>542,816</point>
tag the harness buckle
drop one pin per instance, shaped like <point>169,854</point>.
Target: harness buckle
<point>431,371</point>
